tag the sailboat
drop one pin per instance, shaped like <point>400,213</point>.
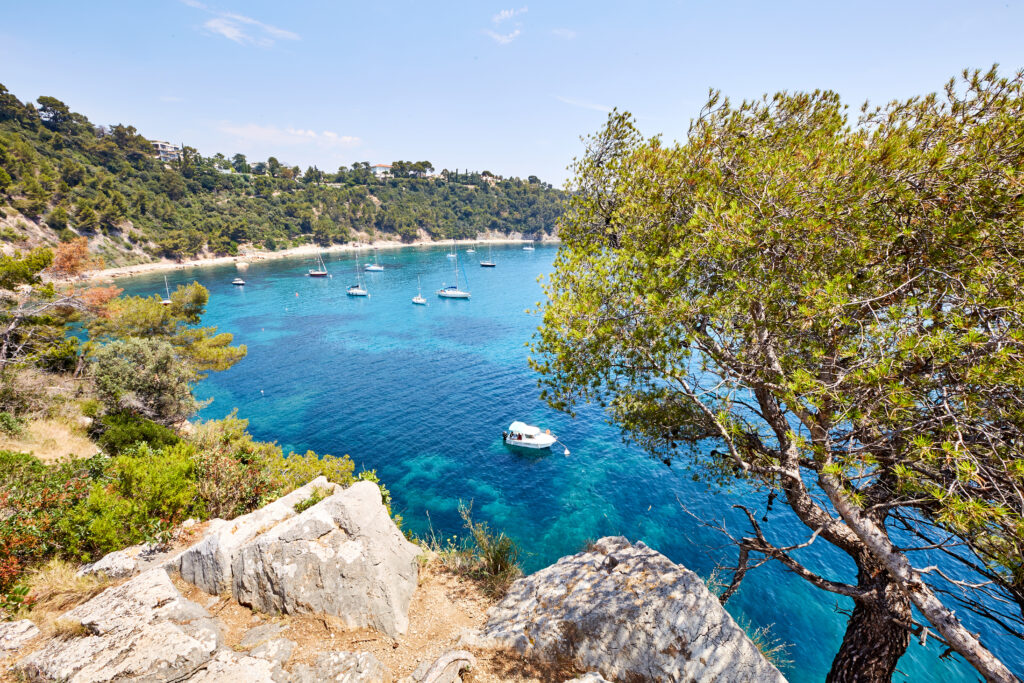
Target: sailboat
<point>528,247</point>
<point>358,289</point>
<point>489,263</point>
<point>373,267</point>
<point>321,267</point>
<point>471,250</point>
<point>418,299</point>
<point>167,288</point>
<point>453,291</point>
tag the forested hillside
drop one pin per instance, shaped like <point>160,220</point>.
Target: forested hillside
<point>62,176</point>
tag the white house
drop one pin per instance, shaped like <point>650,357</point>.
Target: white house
<point>165,151</point>
<point>381,170</point>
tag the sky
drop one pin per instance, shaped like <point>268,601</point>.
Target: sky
<point>508,87</point>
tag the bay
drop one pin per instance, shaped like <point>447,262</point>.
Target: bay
<point>421,394</point>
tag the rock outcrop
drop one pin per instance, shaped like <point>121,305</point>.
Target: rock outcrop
<point>343,556</point>
<point>447,668</point>
<point>630,613</point>
<point>15,634</point>
<point>143,628</point>
<point>345,667</point>
<point>208,563</point>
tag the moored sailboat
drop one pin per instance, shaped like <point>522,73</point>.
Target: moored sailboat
<point>453,291</point>
<point>321,268</point>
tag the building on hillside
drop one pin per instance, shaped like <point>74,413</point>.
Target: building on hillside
<point>165,151</point>
<point>381,170</point>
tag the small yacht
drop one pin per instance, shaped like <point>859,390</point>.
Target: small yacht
<point>489,263</point>
<point>522,435</point>
<point>167,288</point>
<point>238,281</point>
<point>321,268</point>
<point>358,289</point>
<point>418,299</point>
<point>528,247</point>
<point>453,291</point>
<point>373,267</point>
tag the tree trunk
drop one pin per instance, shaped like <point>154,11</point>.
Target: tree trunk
<point>874,639</point>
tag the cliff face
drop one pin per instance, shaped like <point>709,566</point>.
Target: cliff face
<point>339,561</point>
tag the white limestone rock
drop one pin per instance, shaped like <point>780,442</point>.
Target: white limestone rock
<point>630,613</point>
<point>142,629</point>
<point>208,563</point>
<point>233,667</point>
<point>343,556</point>
<point>343,667</point>
<point>121,563</point>
<point>15,634</point>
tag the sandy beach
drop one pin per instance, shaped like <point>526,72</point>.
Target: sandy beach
<point>247,254</point>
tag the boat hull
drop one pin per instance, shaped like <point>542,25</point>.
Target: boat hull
<point>419,301</point>
<point>530,444</point>
<point>357,292</point>
<point>317,273</point>
<point>373,269</point>
<point>487,264</point>
<point>453,295</point>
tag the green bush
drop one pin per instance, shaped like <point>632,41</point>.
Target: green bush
<point>297,470</point>
<point>60,357</point>
<point>119,432</point>
<point>11,425</point>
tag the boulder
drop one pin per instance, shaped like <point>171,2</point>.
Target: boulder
<point>122,563</point>
<point>344,667</point>
<point>447,668</point>
<point>233,667</point>
<point>208,563</point>
<point>629,612</point>
<point>343,556</point>
<point>143,628</point>
<point>15,634</point>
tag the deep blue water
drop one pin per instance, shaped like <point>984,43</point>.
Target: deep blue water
<point>421,394</point>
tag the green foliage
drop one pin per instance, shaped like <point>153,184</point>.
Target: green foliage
<point>817,302</point>
<point>73,173</point>
<point>319,493</point>
<point>119,432</point>
<point>147,377</point>
<point>297,470</point>
<point>11,425</point>
<point>23,270</point>
<point>492,559</point>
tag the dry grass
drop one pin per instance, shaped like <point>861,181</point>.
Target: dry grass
<point>50,440</point>
<point>54,589</point>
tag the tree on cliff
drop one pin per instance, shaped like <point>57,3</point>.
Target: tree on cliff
<point>836,310</point>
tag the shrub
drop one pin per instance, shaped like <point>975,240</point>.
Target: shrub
<point>319,493</point>
<point>297,470</point>
<point>146,377</point>
<point>60,357</point>
<point>491,559</point>
<point>11,425</point>
<point>118,432</point>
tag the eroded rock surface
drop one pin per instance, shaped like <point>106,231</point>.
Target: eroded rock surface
<point>143,628</point>
<point>447,668</point>
<point>343,556</point>
<point>208,563</point>
<point>15,634</point>
<point>630,613</point>
<point>344,667</point>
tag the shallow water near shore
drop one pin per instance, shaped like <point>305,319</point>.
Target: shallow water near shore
<point>422,393</point>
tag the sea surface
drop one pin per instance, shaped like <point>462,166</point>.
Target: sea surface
<point>421,394</point>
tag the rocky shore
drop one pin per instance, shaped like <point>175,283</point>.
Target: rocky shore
<point>321,585</point>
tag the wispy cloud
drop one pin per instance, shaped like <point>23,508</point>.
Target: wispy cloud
<point>506,14</point>
<point>583,105</point>
<point>171,98</point>
<point>240,28</point>
<point>563,33</point>
<point>501,17</point>
<point>274,135</point>
<point>503,38</point>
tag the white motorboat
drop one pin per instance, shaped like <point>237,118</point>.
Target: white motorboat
<point>453,291</point>
<point>373,267</point>
<point>418,299</point>
<point>238,281</point>
<point>522,435</point>
<point>321,268</point>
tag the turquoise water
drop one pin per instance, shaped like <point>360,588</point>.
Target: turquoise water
<point>422,393</point>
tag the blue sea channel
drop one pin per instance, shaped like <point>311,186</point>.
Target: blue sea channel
<point>421,395</point>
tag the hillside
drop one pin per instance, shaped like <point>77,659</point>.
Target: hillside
<point>61,176</point>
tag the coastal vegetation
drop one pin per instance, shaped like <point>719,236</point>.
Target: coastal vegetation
<point>119,371</point>
<point>61,177</point>
<point>829,312</point>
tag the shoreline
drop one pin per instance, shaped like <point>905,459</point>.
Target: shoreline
<point>307,250</point>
